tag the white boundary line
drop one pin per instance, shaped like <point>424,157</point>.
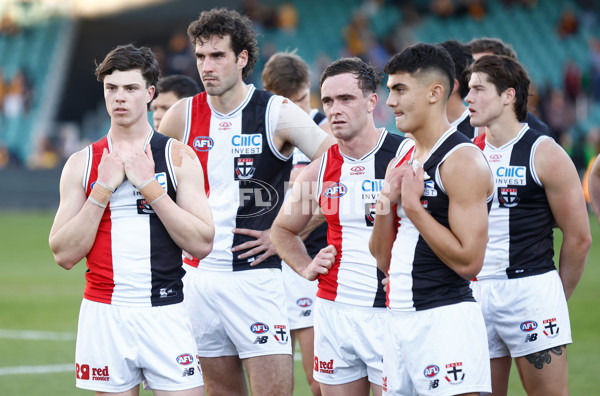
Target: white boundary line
<point>57,368</point>
<point>36,335</point>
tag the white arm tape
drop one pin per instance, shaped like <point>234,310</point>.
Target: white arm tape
<point>299,129</point>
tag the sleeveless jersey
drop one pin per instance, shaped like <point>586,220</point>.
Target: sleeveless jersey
<point>419,280</point>
<point>133,261</point>
<point>348,190</point>
<point>521,221</point>
<point>244,174</point>
<point>463,125</point>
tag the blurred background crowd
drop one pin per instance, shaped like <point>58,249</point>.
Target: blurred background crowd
<point>51,105</point>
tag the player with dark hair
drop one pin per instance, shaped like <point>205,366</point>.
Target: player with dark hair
<point>130,203</point>
<point>494,46</point>
<point>522,296</point>
<point>169,90</point>
<point>343,187</point>
<point>430,237</point>
<point>244,139</point>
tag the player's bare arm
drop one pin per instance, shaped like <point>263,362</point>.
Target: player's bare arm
<point>77,218</point>
<point>594,187</point>
<point>565,196</point>
<point>293,217</point>
<point>173,122</point>
<point>189,220</point>
<point>468,182</point>
<point>384,227</point>
<point>295,128</point>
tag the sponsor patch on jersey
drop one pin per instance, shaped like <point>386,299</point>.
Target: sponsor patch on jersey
<point>203,143</point>
<point>336,190</point>
<point>511,176</point>
<point>304,302</point>
<point>357,170</point>
<point>528,325</point>
<point>370,209</point>
<point>507,197</point>
<point>244,168</point>
<point>259,328</point>
<point>185,359</point>
<point>429,190</point>
<point>246,144</point>
<point>455,373</point>
<point>224,126</point>
<point>431,371</point>
<point>371,189</point>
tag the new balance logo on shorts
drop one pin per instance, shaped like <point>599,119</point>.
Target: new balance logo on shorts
<point>261,340</point>
<point>531,337</point>
<point>188,372</point>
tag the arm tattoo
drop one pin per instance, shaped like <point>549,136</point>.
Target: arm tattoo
<point>538,359</point>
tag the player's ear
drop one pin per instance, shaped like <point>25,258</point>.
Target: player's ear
<point>436,93</point>
<point>509,95</point>
<point>373,98</point>
<point>242,59</point>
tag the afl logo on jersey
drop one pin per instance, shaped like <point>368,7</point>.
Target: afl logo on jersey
<point>336,190</point>
<point>431,371</point>
<point>259,328</point>
<point>528,326</point>
<point>185,359</point>
<point>304,302</point>
<point>203,143</point>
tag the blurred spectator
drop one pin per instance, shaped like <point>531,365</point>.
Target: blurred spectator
<point>287,17</point>
<point>358,36</point>
<point>572,80</point>
<point>14,99</point>
<point>594,54</point>
<point>180,56</point>
<point>560,113</point>
<point>8,159</point>
<point>7,24</point>
<point>568,23</point>
<point>442,8</point>
<point>3,88</point>
<point>68,140</point>
<point>476,9</point>
<point>262,15</point>
<point>45,156</point>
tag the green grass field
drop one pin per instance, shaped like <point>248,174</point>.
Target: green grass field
<point>38,295</point>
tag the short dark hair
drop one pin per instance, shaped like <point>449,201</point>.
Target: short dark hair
<point>505,72</point>
<point>222,22</point>
<point>128,57</point>
<point>182,86</point>
<point>492,45</point>
<point>462,58</point>
<point>285,73</point>
<point>423,58</point>
<point>368,79</point>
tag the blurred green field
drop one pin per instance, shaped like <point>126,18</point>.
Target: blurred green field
<point>36,294</point>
